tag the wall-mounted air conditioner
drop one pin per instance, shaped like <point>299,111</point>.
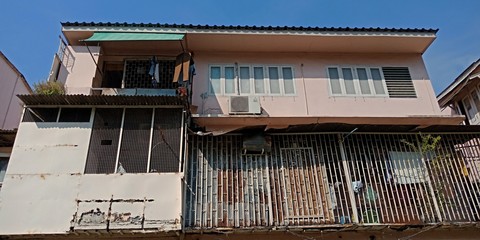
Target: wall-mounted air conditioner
<point>244,105</point>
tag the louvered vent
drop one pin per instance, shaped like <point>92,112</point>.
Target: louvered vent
<point>399,82</point>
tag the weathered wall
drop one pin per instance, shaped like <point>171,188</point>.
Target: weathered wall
<point>45,190</point>
<point>312,87</point>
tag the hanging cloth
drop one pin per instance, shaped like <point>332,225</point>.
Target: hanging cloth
<point>157,72</point>
<point>153,61</point>
<point>182,67</point>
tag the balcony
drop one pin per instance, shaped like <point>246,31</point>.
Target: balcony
<point>140,76</point>
<point>333,180</point>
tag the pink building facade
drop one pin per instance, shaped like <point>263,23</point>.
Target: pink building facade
<point>191,131</point>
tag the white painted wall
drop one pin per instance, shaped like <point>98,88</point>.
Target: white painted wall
<point>46,192</point>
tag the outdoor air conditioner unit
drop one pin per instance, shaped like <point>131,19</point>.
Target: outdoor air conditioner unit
<point>244,105</point>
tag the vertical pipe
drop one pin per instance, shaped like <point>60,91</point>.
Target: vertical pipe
<point>151,140</point>
<point>269,194</point>
<point>348,179</point>
<point>120,140</point>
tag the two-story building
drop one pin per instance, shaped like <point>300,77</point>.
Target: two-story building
<point>207,132</point>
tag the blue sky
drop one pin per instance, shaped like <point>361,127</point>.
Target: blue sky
<point>30,29</point>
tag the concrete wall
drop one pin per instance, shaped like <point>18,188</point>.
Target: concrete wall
<point>79,74</point>
<point>45,190</point>
<point>12,83</point>
<point>312,86</point>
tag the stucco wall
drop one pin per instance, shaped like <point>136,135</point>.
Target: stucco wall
<point>312,87</point>
<point>11,107</point>
<point>82,71</point>
<point>45,190</point>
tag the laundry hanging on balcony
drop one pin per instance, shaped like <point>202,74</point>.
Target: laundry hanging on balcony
<point>182,67</point>
<point>154,71</point>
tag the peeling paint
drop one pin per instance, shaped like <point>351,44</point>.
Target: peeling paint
<point>117,200</point>
<point>125,218</point>
<point>92,217</point>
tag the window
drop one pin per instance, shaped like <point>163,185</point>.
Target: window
<point>407,167</point>
<point>471,111</point>
<point>75,115</point>
<point>57,115</point>
<point>135,140</point>
<point>394,82</point>
<point>252,80</point>
<point>360,81</point>
<point>3,168</point>
<point>40,115</point>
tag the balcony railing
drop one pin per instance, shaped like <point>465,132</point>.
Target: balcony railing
<point>315,180</point>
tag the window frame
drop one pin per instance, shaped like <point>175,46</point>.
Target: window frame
<point>252,92</point>
<point>58,114</point>
<point>7,159</point>
<point>356,81</point>
<point>471,117</point>
<point>151,129</point>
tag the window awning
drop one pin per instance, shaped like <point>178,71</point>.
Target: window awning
<point>116,36</point>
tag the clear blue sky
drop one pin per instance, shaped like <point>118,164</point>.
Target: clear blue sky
<point>30,29</point>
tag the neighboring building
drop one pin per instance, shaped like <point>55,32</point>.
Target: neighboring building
<point>12,82</point>
<point>462,96</point>
<point>202,132</point>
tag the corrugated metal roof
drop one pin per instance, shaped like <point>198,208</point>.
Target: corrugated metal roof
<point>246,27</point>
<point>37,99</point>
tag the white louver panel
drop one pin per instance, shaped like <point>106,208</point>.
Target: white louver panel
<point>399,82</point>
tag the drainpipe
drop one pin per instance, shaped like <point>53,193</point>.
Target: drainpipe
<point>304,89</point>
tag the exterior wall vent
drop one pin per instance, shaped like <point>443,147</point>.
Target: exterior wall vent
<point>244,105</point>
<point>399,82</point>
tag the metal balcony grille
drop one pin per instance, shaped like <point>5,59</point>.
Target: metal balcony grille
<point>323,179</point>
<point>166,140</point>
<point>136,74</point>
<point>102,152</point>
<point>135,140</point>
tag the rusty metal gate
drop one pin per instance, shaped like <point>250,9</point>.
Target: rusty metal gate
<point>318,179</point>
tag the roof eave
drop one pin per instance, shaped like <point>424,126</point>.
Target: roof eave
<point>447,94</point>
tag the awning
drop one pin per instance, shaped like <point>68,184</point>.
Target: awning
<point>117,36</point>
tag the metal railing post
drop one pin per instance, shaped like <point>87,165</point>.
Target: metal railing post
<point>348,179</point>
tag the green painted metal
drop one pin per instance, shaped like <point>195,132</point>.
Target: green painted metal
<point>119,36</point>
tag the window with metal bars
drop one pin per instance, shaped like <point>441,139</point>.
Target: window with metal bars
<point>137,74</point>
<point>135,140</point>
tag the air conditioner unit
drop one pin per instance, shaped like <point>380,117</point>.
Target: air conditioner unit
<point>244,105</point>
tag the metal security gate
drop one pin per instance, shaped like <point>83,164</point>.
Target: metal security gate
<point>318,179</point>
<point>304,188</point>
